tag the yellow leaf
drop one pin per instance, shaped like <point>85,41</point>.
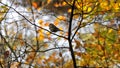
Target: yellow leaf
<point>41,37</point>
<point>104,4</point>
<point>110,30</point>
<point>89,9</point>
<point>76,16</point>
<point>1,60</point>
<point>63,3</point>
<point>68,64</point>
<point>48,1</point>
<point>69,10</point>
<point>116,6</point>
<point>40,31</point>
<point>82,62</point>
<point>40,22</point>
<point>84,8</point>
<point>48,34</point>
<point>62,18</point>
<point>103,58</point>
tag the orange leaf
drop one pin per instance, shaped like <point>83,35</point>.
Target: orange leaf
<point>20,36</point>
<point>66,34</point>
<point>14,47</point>
<point>46,45</point>
<point>34,4</point>
<point>22,42</point>
<point>101,39</point>
<point>77,44</point>
<point>119,31</point>
<point>52,58</point>
<point>78,53</point>
<point>47,24</point>
<point>56,5</point>
<point>30,57</point>
<point>56,22</point>
<point>14,65</point>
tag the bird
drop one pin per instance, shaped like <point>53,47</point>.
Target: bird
<point>53,28</point>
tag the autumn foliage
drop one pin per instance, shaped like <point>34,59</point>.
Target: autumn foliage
<point>90,35</point>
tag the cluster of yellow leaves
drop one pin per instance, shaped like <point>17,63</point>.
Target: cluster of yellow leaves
<point>39,60</point>
<point>38,4</point>
<point>41,32</point>
<point>3,10</point>
<point>52,58</point>
<point>100,47</point>
<point>4,59</point>
<point>104,47</point>
<point>105,5</point>
<point>110,5</point>
<point>68,64</point>
<point>91,7</point>
<point>60,4</point>
<point>97,49</point>
<point>41,35</point>
<point>42,23</point>
<point>85,5</point>
<point>62,18</point>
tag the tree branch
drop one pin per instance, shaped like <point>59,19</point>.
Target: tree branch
<point>34,23</point>
<point>69,35</point>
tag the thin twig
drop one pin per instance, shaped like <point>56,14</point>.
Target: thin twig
<point>50,49</point>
